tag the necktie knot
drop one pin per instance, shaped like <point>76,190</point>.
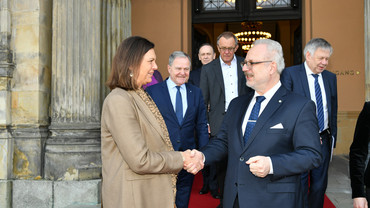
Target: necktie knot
<point>178,88</point>
<point>260,99</point>
<point>316,76</point>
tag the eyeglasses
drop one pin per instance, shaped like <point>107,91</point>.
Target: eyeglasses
<point>224,49</point>
<point>251,63</point>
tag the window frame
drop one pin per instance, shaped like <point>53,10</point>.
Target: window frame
<point>245,10</point>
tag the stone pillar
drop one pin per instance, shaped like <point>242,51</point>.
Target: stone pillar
<point>50,105</point>
<point>72,150</point>
<point>6,73</point>
<point>367,50</point>
<point>31,34</point>
<point>116,26</point>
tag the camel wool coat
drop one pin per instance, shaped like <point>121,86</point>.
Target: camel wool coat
<point>137,162</point>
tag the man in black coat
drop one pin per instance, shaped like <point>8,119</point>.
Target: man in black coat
<point>206,54</point>
<point>357,158</point>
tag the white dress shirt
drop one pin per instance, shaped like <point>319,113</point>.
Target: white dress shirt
<point>311,85</point>
<point>173,91</point>
<point>230,76</point>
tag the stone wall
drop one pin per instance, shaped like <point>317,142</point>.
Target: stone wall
<point>54,59</point>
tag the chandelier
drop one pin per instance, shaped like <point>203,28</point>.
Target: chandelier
<point>251,32</point>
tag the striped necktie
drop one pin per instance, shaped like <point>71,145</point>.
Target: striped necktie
<point>320,111</point>
<point>253,118</point>
<point>179,105</point>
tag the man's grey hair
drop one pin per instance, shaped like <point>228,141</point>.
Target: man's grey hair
<point>178,54</point>
<point>274,52</point>
<point>315,44</point>
<point>227,35</point>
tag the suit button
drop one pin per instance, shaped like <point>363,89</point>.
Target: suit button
<point>241,159</point>
<point>178,141</point>
<point>236,184</point>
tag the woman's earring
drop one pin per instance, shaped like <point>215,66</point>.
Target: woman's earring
<point>131,75</point>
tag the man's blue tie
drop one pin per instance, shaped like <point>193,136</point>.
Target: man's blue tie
<point>253,118</point>
<point>320,111</point>
<point>178,105</point>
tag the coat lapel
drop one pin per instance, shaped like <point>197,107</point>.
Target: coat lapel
<point>167,99</point>
<point>148,115</point>
<point>276,101</point>
<point>190,98</point>
<point>243,111</point>
<point>241,80</point>
<point>327,91</point>
<point>218,73</point>
<point>304,81</point>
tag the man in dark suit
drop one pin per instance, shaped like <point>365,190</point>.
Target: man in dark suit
<point>206,54</point>
<point>221,81</point>
<point>270,137</point>
<point>311,80</point>
<point>359,172</point>
<point>183,110</point>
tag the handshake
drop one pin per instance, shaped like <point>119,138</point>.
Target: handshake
<point>193,161</point>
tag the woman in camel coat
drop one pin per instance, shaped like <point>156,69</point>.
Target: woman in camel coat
<point>139,164</point>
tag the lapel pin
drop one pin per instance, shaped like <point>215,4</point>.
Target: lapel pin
<point>280,101</point>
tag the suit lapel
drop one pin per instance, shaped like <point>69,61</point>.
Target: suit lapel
<point>148,115</point>
<point>276,101</point>
<point>327,91</point>
<point>218,73</point>
<point>243,111</point>
<point>167,100</point>
<point>190,98</point>
<point>241,80</point>
<point>304,81</point>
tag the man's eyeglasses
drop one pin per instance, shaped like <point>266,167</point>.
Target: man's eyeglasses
<point>224,49</point>
<point>251,63</point>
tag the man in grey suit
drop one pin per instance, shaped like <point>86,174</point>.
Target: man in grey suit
<point>221,81</point>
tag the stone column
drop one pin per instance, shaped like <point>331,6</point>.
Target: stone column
<point>31,34</point>
<point>116,26</point>
<point>72,150</point>
<point>6,73</point>
<point>367,50</point>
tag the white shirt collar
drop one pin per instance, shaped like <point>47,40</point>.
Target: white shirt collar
<point>172,84</point>
<point>308,70</point>
<point>271,92</point>
<point>223,63</point>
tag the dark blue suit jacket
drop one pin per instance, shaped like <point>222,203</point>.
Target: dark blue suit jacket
<point>194,77</point>
<point>294,78</point>
<point>293,149</point>
<point>195,121</point>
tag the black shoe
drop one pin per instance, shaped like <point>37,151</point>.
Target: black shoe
<point>204,190</point>
<point>215,194</point>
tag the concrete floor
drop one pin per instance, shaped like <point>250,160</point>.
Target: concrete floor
<point>339,184</point>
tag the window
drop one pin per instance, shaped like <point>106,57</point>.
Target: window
<point>244,10</point>
<point>263,4</point>
<point>212,5</point>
